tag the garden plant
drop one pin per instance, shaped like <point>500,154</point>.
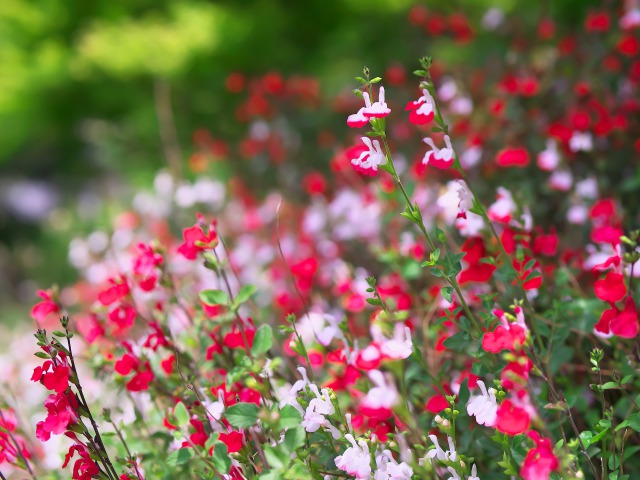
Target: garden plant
<point>454,296</point>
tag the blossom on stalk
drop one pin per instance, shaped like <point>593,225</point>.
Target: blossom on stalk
<point>387,468</point>
<point>484,407</point>
<point>438,157</point>
<point>421,111</point>
<point>397,347</point>
<point>355,460</point>
<point>540,461</point>
<point>316,414</point>
<point>378,109</point>
<point>366,158</point>
<point>512,419</point>
<point>439,453</point>
<point>62,411</point>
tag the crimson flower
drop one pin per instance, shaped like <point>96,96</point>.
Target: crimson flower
<point>610,288</point>
<point>196,241</point>
<point>511,419</point>
<point>540,461</point>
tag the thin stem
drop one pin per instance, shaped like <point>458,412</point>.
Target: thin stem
<point>107,460</point>
<point>225,279</point>
<point>451,281</point>
<point>18,449</point>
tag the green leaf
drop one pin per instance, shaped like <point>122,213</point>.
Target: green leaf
<point>588,438</point>
<point>182,414</point>
<point>42,355</point>
<point>242,415</point>
<point>245,293</point>
<point>214,297</point>
<point>373,301</point>
<point>179,457</point>
<point>633,422</point>
<point>262,341</point>
<point>610,386</point>
<point>289,417</point>
<point>294,438</point>
<point>446,293</point>
<point>221,459</point>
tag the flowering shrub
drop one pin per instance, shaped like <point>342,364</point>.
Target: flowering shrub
<point>440,317</point>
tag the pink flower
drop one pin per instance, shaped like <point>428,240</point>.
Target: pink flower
<point>61,412</point>
<point>355,460</point>
<point>196,241</point>
<point>422,110</point>
<point>512,420</point>
<point>439,158</point>
<point>117,290</point>
<point>540,461</point>
<point>145,267</point>
<point>378,109</point>
<point>367,157</point>
<point>46,308</point>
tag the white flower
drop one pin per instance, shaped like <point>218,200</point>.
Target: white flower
<point>355,460</point>
<point>372,158</point>
<point>504,207</point>
<point>441,454</point>
<point>400,346</point>
<point>438,157</point>
<point>471,156</point>
<point>561,180</point>
<point>474,473</point>
<point>389,469</point>
<point>549,158</point>
<point>581,141</point>
<point>484,407</point>
<point>383,395</point>
<point>318,409</point>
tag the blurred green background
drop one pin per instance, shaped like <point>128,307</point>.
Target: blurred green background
<point>82,84</point>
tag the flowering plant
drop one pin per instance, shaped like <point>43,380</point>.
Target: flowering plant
<point>392,328</point>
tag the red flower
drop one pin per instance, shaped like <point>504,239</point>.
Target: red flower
<point>503,338</point>
<point>118,290</point>
<point>421,111</point>
<point>140,381</point>
<point>145,267</point>
<point>196,241</point>
<point>436,404</point>
<point>623,323</point>
<point>513,157</point>
<point>45,308</point>
<point>540,461</point>
<point>57,379</point>
<point>597,22</point>
<point>61,412</point>
<point>611,288</point>
<point>233,441</point>
<point>512,420</point>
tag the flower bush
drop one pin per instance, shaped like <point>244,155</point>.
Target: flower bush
<point>460,307</point>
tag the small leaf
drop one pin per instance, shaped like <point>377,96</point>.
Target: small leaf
<point>244,294</point>
<point>221,459</point>
<point>294,438</point>
<point>446,293</point>
<point>42,355</point>
<point>373,301</point>
<point>242,415</point>
<point>182,414</point>
<point>262,341</point>
<point>289,417</point>
<point>214,297</point>
<point>179,457</point>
